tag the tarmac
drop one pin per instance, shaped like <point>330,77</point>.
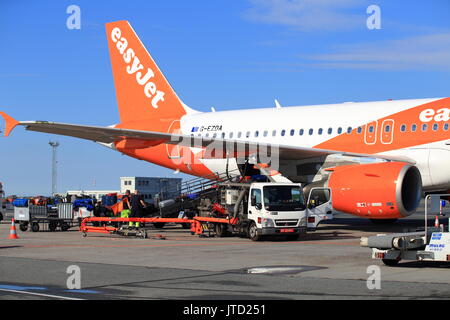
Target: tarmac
<point>326,264</point>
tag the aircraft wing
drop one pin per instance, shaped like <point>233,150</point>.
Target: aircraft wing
<point>153,138</point>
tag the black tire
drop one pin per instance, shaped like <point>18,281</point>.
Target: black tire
<point>221,230</point>
<point>159,225</point>
<point>390,262</point>
<point>383,221</point>
<point>35,227</point>
<point>64,226</point>
<point>253,232</point>
<point>1,216</point>
<point>186,225</point>
<point>52,225</point>
<point>23,227</point>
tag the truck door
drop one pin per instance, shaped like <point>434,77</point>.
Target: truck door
<point>255,205</point>
<point>319,207</point>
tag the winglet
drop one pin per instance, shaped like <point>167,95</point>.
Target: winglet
<point>11,123</point>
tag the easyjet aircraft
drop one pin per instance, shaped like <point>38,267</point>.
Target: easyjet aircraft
<point>377,157</point>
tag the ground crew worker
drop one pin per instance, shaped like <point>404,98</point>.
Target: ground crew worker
<point>137,207</point>
<point>125,213</point>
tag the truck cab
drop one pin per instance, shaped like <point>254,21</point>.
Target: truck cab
<point>280,209</point>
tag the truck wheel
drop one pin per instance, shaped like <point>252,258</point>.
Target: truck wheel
<point>65,226</point>
<point>390,262</point>
<point>186,225</point>
<point>1,216</point>
<point>253,232</point>
<point>159,225</point>
<point>35,227</point>
<point>221,230</point>
<point>52,226</point>
<point>23,227</point>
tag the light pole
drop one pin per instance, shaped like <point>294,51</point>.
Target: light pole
<point>54,145</point>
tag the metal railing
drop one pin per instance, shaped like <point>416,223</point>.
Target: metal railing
<point>199,184</point>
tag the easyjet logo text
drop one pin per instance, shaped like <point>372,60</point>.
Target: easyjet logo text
<point>438,116</point>
<point>134,66</point>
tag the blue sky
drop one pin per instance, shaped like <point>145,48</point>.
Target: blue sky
<point>221,54</point>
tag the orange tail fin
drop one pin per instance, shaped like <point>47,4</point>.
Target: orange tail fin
<point>142,90</point>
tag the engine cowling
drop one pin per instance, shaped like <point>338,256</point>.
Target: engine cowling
<point>386,190</point>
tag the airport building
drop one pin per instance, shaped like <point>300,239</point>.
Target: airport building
<point>148,187</point>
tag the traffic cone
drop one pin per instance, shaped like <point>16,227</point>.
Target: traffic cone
<point>436,222</point>
<point>12,231</point>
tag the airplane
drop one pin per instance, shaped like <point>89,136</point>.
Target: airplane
<point>378,158</point>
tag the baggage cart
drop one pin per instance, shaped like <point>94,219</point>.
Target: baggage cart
<point>33,216</point>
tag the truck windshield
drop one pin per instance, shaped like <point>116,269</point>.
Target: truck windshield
<point>283,198</point>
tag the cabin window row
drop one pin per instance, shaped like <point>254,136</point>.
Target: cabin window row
<point>303,132</point>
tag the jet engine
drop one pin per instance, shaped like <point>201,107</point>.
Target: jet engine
<point>386,190</point>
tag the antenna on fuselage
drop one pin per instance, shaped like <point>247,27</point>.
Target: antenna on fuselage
<point>277,104</point>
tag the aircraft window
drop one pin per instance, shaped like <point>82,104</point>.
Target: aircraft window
<point>301,132</point>
<point>414,128</point>
<point>403,128</point>
<point>320,131</point>
<point>330,130</point>
<point>247,135</point>
<point>371,129</point>
<point>359,130</point>
<point>424,127</point>
<point>292,132</point>
<point>435,127</point>
<point>239,134</point>
<point>446,127</point>
<point>256,134</point>
<point>207,135</point>
<point>387,129</point>
<point>231,135</point>
<point>311,132</point>
<point>274,133</point>
<point>266,133</point>
<point>214,135</point>
<point>339,130</point>
<point>349,130</point>
<point>283,132</point>
<point>223,135</point>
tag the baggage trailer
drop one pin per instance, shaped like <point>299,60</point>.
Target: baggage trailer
<point>109,225</point>
<point>254,210</point>
<point>27,215</point>
<point>429,244</point>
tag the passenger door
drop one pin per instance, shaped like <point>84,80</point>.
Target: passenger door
<point>319,207</point>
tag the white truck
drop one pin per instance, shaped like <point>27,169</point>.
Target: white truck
<point>263,209</point>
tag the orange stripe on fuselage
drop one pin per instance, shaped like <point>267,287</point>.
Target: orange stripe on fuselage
<point>382,141</point>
